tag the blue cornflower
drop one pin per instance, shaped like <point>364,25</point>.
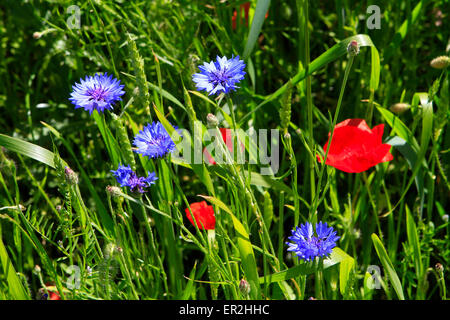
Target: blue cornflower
<point>307,246</point>
<point>123,174</point>
<point>126,177</point>
<point>154,141</point>
<point>220,76</point>
<point>151,178</point>
<point>96,92</point>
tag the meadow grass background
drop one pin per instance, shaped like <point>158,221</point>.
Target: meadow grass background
<point>393,216</point>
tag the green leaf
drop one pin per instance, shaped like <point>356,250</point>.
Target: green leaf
<point>398,126</point>
<point>388,266</point>
<point>375,67</point>
<point>111,143</point>
<point>188,290</point>
<point>410,155</point>
<point>27,149</point>
<point>15,286</point>
<point>258,19</point>
<point>345,268</point>
<point>336,256</point>
<point>245,249</point>
<point>413,240</point>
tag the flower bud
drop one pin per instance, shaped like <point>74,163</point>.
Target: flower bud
<point>244,287</point>
<point>71,176</point>
<point>37,35</point>
<point>212,120</point>
<point>113,191</point>
<point>439,267</point>
<point>37,269</point>
<point>353,48</point>
<point>440,62</point>
<point>399,108</point>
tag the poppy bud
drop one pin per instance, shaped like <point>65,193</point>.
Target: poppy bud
<point>113,191</point>
<point>71,176</point>
<point>353,48</point>
<point>399,108</point>
<point>244,287</point>
<point>37,269</point>
<point>439,267</point>
<point>440,62</point>
<point>212,120</point>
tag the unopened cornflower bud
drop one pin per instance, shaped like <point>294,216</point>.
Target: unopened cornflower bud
<point>440,62</point>
<point>399,107</point>
<point>211,120</point>
<point>113,191</point>
<point>287,136</point>
<point>439,267</point>
<point>445,217</point>
<point>353,48</point>
<point>244,287</point>
<point>71,176</point>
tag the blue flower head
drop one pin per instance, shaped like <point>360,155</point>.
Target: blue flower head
<point>308,246</point>
<point>97,92</point>
<point>126,177</point>
<point>154,141</point>
<point>220,76</point>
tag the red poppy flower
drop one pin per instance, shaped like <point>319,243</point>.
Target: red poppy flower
<point>42,293</point>
<point>356,147</point>
<point>227,136</point>
<point>204,215</point>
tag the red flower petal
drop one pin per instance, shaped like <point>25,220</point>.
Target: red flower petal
<point>355,147</point>
<point>227,136</point>
<point>203,214</point>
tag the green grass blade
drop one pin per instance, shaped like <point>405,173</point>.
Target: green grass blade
<point>258,19</point>
<point>15,287</point>
<point>388,266</point>
<point>245,249</point>
<point>337,256</point>
<point>199,169</point>
<point>27,149</point>
<point>414,243</point>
